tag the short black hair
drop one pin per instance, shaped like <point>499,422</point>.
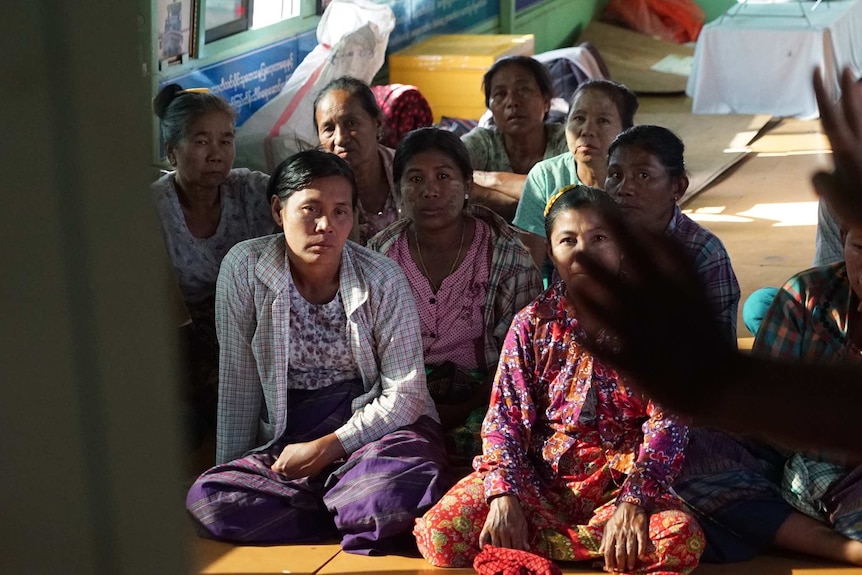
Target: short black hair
<point>536,68</point>
<point>299,170</point>
<point>658,141</point>
<point>427,139</point>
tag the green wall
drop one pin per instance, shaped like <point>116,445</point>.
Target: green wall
<point>715,8</point>
<point>556,23</point>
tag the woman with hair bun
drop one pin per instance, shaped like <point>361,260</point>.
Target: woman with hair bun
<point>205,207</point>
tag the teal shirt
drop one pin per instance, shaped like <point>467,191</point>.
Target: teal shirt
<point>544,180</point>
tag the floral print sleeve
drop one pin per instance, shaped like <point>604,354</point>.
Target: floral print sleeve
<point>659,459</point>
<point>507,429</point>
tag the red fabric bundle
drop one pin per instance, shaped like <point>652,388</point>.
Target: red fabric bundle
<point>677,21</point>
<point>404,109</point>
<point>499,561</point>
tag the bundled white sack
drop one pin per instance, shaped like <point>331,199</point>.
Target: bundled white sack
<point>351,40</point>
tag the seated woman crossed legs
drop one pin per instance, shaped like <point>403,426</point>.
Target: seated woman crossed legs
<point>325,424</point>
<point>468,271</point>
<point>576,466</point>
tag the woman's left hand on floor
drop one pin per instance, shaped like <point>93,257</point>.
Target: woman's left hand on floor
<point>626,538</point>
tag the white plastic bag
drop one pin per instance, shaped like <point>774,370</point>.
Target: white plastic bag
<point>351,40</point>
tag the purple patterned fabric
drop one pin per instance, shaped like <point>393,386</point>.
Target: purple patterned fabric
<point>370,499</point>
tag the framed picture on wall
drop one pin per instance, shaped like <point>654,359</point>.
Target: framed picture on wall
<point>176,30</point>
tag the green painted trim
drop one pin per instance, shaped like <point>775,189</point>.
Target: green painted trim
<point>553,31</point>
<point>714,8</point>
<point>507,16</point>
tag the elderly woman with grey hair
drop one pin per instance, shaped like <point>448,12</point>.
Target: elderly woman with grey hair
<point>206,207</point>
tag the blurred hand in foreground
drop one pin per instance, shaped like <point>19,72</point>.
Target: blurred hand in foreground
<point>842,123</point>
<point>657,326</point>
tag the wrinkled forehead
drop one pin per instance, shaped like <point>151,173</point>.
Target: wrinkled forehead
<point>340,103</point>
<point>511,74</point>
<point>593,100</point>
<point>635,156</point>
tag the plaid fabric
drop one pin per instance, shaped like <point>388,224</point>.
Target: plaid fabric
<point>500,561</point>
<point>806,481</point>
<point>458,126</point>
<point>713,266</point>
<point>404,109</point>
<point>721,469</point>
<point>808,317</point>
<point>808,320</point>
<point>513,283</point>
<point>252,318</point>
<point>844,502</point>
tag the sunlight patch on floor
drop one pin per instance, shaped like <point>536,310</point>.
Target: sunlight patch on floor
<point>782,213</point>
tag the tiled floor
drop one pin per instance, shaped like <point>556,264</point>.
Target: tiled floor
<point>764,210</point>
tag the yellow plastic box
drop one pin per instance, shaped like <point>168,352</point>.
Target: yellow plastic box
<point>448,69</point>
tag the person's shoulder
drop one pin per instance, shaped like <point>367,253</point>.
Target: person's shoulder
<point>561,163</point>
<point>243,180</point>
<point>555,130</point>
<point>811,278</point>
<point>479,134</point>
<point>383,240</point>
<point>374,266</point>
<point>387,153</point>
<point>695,235</point>
<point>248,252</point>
<point>545,307</point>
<point>163,185</point>
<point>557,136</point>
<point>500,231</point>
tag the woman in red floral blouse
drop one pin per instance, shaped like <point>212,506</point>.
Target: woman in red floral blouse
<point>576,465</point>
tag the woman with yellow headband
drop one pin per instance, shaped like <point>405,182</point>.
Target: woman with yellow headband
<point>576,465</point>
<point>206,208</point>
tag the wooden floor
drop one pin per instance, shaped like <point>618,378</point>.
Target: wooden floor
<point>221,558</point>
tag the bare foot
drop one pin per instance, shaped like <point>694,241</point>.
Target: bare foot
<point>854,552</point>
